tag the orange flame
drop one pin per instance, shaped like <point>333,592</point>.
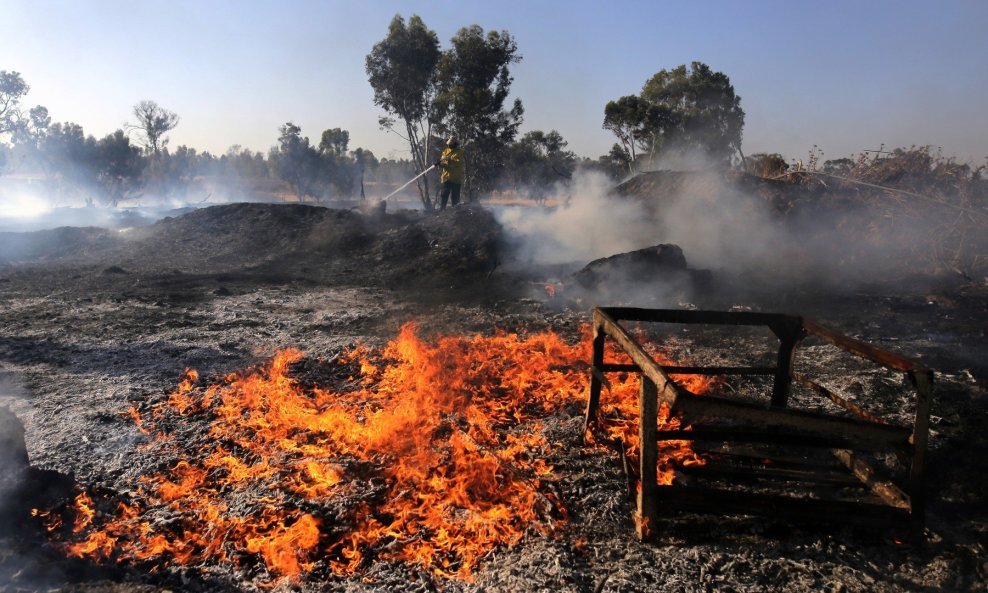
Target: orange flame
<point>433,454</point>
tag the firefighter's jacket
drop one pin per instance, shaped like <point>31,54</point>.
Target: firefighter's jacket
<point>452,165</point>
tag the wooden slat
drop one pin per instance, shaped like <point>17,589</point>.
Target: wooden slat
<point>753,472</point>
<point>754,435</point>
<point>596,379</point>
<point>867,351</point>
<point>884,489</point>
<point>921,433</point>
<point>840,401</point>
<point>789,333</point>
<point>862,434</point>
<point>648,457</point>
<point>691,370</point>
<point>756,455</point>
<point>725,502</point>
<point>695,317</point>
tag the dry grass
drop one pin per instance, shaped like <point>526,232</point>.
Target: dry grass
<point>914,188</point>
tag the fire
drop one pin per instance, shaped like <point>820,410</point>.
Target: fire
<point>620,408</point>
<point>429,453</point>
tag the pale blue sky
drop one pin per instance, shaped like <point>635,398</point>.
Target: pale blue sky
<point>844,75</point>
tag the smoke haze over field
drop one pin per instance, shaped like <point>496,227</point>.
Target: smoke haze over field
<point>725,230</point>
<point>587,226</point>
<point>722,228</point>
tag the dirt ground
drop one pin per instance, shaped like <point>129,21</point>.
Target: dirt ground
<point>92,321</point>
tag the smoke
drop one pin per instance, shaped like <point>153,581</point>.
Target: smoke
<point>723,229</point>
<point>724,226</point>
<point>716,227</point>
<point>13,451</point>
<point>587,225</point>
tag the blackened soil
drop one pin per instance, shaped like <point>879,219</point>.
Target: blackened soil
<point>93,321</point>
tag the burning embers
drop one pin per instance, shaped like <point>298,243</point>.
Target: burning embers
<point>427,453</point>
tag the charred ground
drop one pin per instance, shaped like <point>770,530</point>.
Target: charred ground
<point>96,320</point>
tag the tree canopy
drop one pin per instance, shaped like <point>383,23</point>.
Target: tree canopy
<point>401,69</point>
<point>639,124</point>
<point>12,89</point>
<point>474,82</point>
<point>683,109</point>
<point>153,122</point>
<point>334,141</point>
<point>460,91</point>
<point>538,162</point>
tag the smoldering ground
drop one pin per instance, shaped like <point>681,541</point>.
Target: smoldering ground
<point>744,237</point>
<point>90,341</point>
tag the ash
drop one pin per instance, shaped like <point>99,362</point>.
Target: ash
<point>96,321</point>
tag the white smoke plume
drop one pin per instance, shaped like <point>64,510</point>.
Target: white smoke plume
<point>588,224</point>
<point>719,227</point>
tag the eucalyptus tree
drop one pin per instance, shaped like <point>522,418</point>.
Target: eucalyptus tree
<point>118,166</point>
<point>678,110</point>
<point>707,112</point>
<point>474,81</point>
<point>296,161</point>
<point>637,123</point>
<point>153,122</point>
<point>461,91</point>
<point>402,71</point>
<point>12,89</point>
<point>538,162</point>
<point>334,141</point>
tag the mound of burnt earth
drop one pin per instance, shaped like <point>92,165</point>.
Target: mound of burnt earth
<point>458,246</point>
<point>290,236</point>
<point>233,235</point>
<point>55,245</point>
<point>826,226</point>
<point>658,183</point>
<point>655,188</point>
<point>660,270</point>
<point>279,242</point>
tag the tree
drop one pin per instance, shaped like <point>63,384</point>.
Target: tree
<point>705,113</point>
<point>538,161</point>
<point>118,167</point>
<point>309,171</point>
<point>296,161</point>
<point>12,88</point>
<point>474,81</point>
<point>364,159</point>
<point>153,122</point>
<point>30,132</point>
<point>679,110</point>
<point>638,124</point>
<point>401,69</point>
<point>67,155</point>
<point>766,165</point>
<point>615,164</point>
<point>334,142</point>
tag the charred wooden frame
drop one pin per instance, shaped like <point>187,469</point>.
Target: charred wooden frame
<point>887,501</point>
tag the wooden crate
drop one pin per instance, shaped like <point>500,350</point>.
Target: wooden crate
<point>769,458</point>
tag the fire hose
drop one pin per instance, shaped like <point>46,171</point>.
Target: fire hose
<point>410,181</point>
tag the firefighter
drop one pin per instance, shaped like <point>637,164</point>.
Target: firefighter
<point>452,171</point>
